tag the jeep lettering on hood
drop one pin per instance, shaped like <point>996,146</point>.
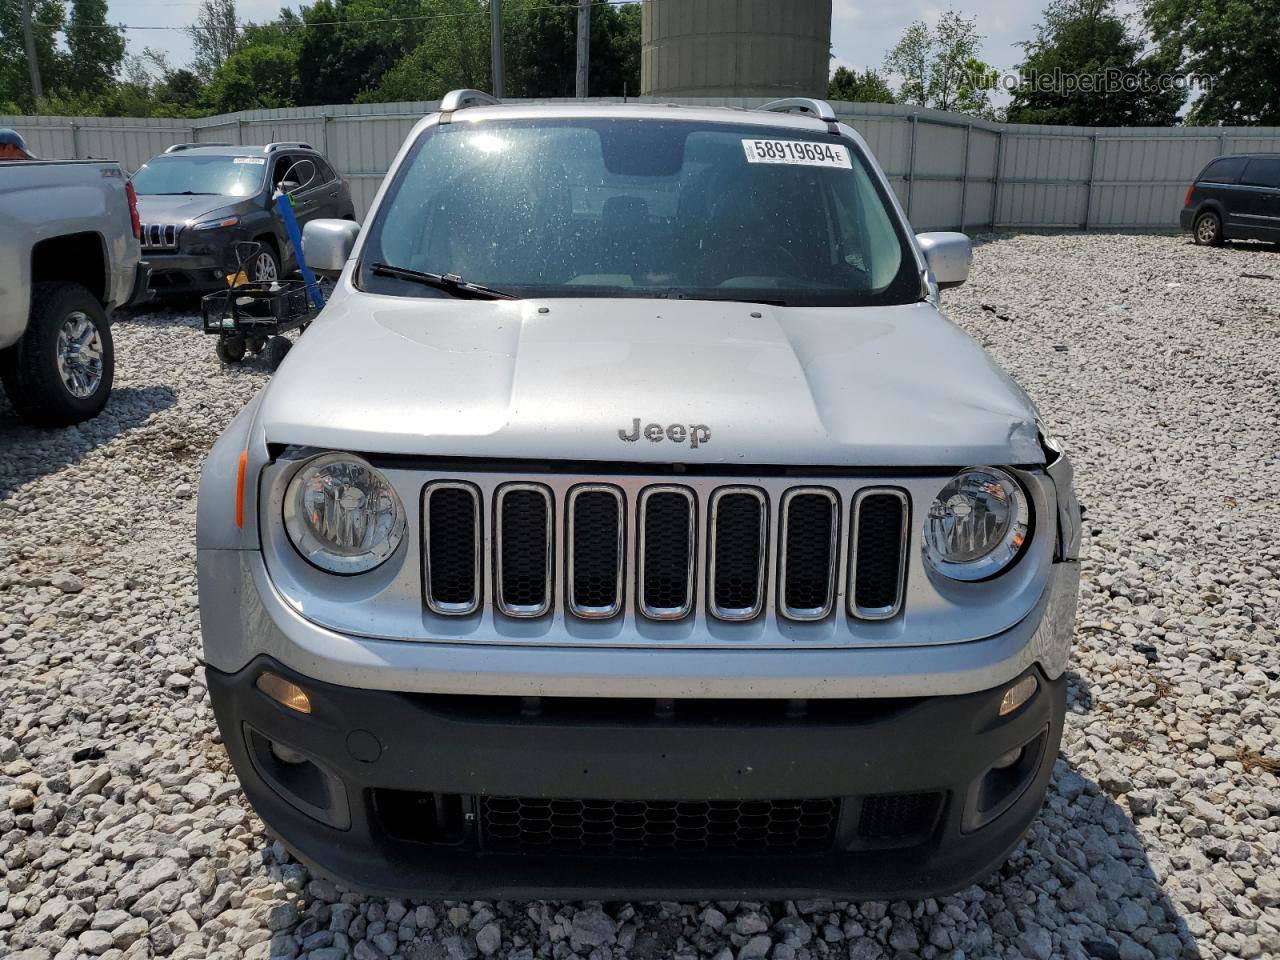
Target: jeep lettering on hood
<point>696,433</point>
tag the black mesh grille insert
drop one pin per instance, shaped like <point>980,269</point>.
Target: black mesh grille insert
<point>668,545</point>
<point>893,817</point>
<point>451,545</point>
<point>809,555</point>
<point>525,540</point>
<point>738,556</point>
<point>596,516</point>
<point>535,825</point>
<point>878,551</point>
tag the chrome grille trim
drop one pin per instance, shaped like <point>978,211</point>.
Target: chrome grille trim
<point>788,500</point>
<point>499,581</point>
<point>160,236</point>
<point>891,611</point>
<point>443,608</point>
<point>581,610</point>
<point>738,613</point>
<point>684,609</point>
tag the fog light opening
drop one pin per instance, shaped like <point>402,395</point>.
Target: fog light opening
<point>1018,694</point>
<point>284,692</point>
<point>285,755</point>
<point>1006,760</point>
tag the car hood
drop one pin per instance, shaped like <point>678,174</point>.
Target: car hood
<point>669,381</point>
<point>163,209</point>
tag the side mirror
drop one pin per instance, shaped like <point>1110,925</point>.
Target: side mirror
<point>948,256</point>
<point>287,186</point>
<point>327,244</point>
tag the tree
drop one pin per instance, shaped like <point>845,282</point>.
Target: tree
<point>933,61</point>
<point>453,53</point>
<point>258,75</point>
<point>95,50</point>
<point>1085,67</point>
<point>1232,42</point>
<point>214,36</point>
<point>48,17</point>
<point>541,48</point>
<point>866,87</point>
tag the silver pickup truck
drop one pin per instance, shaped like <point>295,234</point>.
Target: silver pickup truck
<point>633,524</point>
<point>71,236</point>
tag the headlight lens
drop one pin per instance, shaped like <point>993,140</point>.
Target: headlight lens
<point>342,515</point>
<point>976,525</point>
<point>215,224</point>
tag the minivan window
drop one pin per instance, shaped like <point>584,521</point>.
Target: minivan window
<point>605,207</point>
<point>176,174</point>
<point>1226,170</point>
<point>1264,172</point>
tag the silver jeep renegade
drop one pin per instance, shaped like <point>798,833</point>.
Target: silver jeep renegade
<point>633,524</point>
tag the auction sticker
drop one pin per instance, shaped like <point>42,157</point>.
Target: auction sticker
<point>800,152</point>
<point>259,161</point>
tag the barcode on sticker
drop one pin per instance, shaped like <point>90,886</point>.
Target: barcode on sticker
<point>802,152</point>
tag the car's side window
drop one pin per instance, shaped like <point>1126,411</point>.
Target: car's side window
<point>1264,172</point>
<point>324,172</point>
<point>1226,170</point>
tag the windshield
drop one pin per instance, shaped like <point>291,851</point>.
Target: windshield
<point>592,207</point>
<point>194,173</point>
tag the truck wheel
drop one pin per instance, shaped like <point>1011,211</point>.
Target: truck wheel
<point>1208,229</point>
<point>230,349</point>
<point>276,349</point>
<point>61,371</point>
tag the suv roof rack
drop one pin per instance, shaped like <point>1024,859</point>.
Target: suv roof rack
<point>179,147</point>
<point>287,145</point>
<point>460,99</point>
<point>818,109</point>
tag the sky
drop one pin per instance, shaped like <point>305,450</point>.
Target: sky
<point>862,31</point>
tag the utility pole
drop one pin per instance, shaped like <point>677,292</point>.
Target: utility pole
<point>37,91</point>
<point>584,46</point>
<point>495,45</point>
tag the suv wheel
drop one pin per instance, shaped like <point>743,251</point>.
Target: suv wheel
<point>265,266</point>
<point>61,371</point>
<point>1208,229</point>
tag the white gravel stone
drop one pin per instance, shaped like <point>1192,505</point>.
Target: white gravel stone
<point>123,832</point>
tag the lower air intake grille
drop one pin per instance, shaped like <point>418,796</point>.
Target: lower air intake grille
<point>810,526</point>
<point>524,550</point>
<point>666,552</point>
<point>521,824</point>
<point>879,540</point>
<point>452,539</point>
<point>898,817</point>
<point>595,551</point>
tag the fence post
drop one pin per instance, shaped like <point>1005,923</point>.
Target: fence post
<point>75,141</point>
<point>964,173</point>
<point>1088,188</point>
<point>995,180</point>
<point>240,130</point>
<point>911,162</point>
<point>324,133</point>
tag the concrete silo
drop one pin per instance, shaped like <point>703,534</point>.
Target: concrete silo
<point>735,48</point>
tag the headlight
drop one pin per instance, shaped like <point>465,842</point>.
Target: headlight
<point>342,515</point>
<point>215,224</point>
<point>976,525</point>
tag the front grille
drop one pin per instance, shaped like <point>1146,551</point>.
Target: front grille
<point>810,528</point>
<point>452,538</point>
<point>159,236</point>
<point>597,538</point>
<point>739,552</point>
<point>878,559</point>
<point>522,526</point>
<point>666,552</point>
<point>890,818</point>
<point>537,825</point>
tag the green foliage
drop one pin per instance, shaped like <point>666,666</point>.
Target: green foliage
<point>1234,42</point>
<point>1083,52</point>
<point>866,87</point>
<point>934,63</point>
<point>449,53</point>
<point>94,54</point>
<point>15,78</point>
<point>214,36</point>
<point>260,75</point>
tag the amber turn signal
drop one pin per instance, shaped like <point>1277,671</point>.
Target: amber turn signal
<point>284,692</point>
<point>1018,694</point>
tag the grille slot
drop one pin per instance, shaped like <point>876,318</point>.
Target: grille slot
<point>452,541</point>
<point>597,536</point>
<point>539,825</point>
<point>898,818</point>
<point>160,236</point>
<point>739,552</point>
<point>522,549</point>
<point>665,552</point>
<point>878,555</point>
<point>807,557</point>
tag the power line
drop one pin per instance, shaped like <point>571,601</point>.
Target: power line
<point>300,24</point>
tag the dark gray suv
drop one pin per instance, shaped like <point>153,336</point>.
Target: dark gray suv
<point>196,201</point>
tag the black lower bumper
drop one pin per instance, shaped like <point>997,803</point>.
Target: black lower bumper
<point>412,795</point>
<point>187,272</point>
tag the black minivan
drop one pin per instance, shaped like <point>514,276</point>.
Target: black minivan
<point>1235,198</point>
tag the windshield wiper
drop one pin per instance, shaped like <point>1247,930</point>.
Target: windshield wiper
<point>448,282</point>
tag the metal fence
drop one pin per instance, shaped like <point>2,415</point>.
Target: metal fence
<point>949,171</point>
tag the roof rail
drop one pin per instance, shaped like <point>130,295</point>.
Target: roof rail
<point>460,99</point>
<point>179,147</point>
<point>287,145</point>
<point>818,109</point>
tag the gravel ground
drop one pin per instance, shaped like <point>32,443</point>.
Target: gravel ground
<point>123,832</point>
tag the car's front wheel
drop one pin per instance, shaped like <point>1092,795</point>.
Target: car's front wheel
<point>1208,229</point>
<point>62,369</point>
<point>265,266</point>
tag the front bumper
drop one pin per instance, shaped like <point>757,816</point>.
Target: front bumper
<point>186,272</point>
<point>397,791</point>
